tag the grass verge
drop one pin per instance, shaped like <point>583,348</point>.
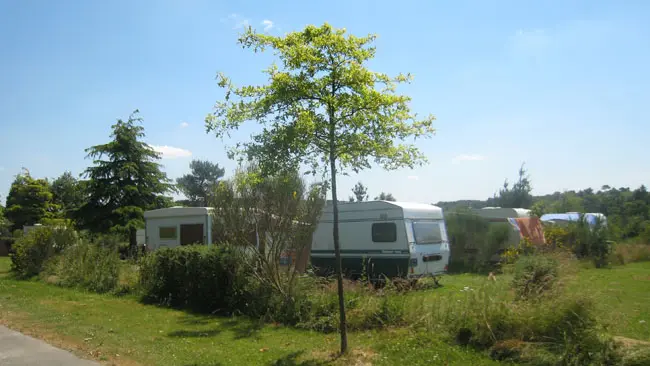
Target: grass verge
<point>122,331</point>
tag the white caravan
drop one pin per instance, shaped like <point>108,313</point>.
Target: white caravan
<point>392,239</point>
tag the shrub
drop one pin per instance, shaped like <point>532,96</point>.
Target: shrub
<point>534,275</point>
<point>591,242</point>
<point>197,277</point>
<point>556,236</point>
<point>87,266</point>
<point>467,236</point>
<point>31,251</point>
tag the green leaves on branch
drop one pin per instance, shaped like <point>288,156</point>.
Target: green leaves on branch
<point>321,102</point>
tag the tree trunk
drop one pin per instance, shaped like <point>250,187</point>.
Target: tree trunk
<point>337,253</point>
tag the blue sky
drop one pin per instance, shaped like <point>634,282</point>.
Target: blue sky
<point>560,85</point>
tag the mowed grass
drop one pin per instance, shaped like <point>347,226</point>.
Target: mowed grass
<point>622,296</point>
<point>124,332</point>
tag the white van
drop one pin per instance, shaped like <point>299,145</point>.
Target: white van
<point>392,239</point>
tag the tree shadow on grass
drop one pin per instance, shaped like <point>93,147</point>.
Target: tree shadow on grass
<point>194,333</point>
<point>292,360</point>
<point>240,327</point>
<point>244,328</point>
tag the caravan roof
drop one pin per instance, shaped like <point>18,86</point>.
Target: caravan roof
<point>501,212</point>
<point>177,212</point>
<point>408,210</point>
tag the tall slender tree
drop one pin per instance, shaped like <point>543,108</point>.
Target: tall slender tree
<point>322,108</point>
<point>125,180</point>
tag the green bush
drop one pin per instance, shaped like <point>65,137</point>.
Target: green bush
<point>31,251</point>
<point>87,266</point>
<point>534,275</point>
<point>591,242</point>
<point>200,278</point>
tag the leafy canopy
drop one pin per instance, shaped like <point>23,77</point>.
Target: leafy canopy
<point>198,185</point>
<point>321,103</point>
<point>29,201</point>
<point>68,193</point>
<point>125,180</point>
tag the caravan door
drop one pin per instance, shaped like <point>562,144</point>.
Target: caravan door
<point>429,247</point>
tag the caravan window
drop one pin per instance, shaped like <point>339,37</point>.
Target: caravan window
<point>427,232</point>
<point>167,232</point>
<point>384,232</point>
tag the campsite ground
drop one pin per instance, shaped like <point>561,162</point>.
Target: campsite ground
<point>125,332</point>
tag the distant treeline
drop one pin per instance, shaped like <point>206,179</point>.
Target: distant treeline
<point>627,210</point>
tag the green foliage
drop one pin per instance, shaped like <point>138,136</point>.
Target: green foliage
<point>323,108</point>
<point>590,242</point>
<point>321,105</point>
<point>34,249</point>
<point>69,194</point>
<point>385,197</point>
<point>498,236</point>
<point>5,225</point>
<point>199,185</point>
<point>125,181</point>
<point>86,265</point>
<point>360,193</point>
<point>29,201</point>
<point>200,278</point>
<point>627,211</point>
<point>534,276</point>
<point>552,330</point>
<point>516,197</point>
<point>282,209</point>
<point>473,240</point>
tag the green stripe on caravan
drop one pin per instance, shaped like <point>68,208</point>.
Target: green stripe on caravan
<point>351,251</point>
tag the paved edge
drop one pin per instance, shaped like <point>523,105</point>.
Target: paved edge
<point>17,349</point>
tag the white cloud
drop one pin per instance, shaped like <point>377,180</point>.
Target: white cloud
<point>184,124</point>
<point>267,25</point>
<point>468,157</point>
<point>170,152</point>
<point>236,20</point>
<point>413,177</point>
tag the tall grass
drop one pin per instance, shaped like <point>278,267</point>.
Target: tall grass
<point>558,328</point>
<point>624,253</point>
<point>86,265</point>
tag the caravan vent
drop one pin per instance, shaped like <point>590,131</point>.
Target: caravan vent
<point>383,216</point>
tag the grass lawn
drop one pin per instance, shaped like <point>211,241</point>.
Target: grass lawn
<point>123,331</point>
<point>623,294</point>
